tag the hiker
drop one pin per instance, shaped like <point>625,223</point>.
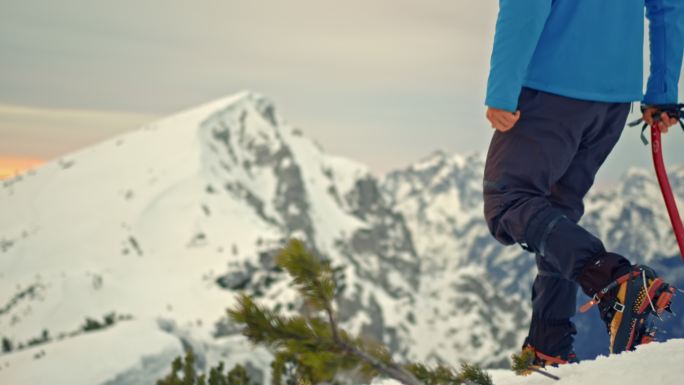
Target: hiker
<point>563,76</point>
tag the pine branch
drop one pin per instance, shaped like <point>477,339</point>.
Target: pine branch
<point>391,370</point>
<point>468,375</point>
<point>318,348</point>
<point>313,278</point>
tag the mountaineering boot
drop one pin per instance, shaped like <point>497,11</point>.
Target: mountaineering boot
<point>627,295</point>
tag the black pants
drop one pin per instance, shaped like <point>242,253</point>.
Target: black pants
<point>536,176</point>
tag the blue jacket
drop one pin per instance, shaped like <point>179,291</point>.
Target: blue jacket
<point>586,49</point>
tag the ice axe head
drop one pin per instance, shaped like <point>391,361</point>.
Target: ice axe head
<point>675,111</point>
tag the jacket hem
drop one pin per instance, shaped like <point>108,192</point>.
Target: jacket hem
<point>585,95</point>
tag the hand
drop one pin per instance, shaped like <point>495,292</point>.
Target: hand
<point>664,123</point>
<point>502,120</point>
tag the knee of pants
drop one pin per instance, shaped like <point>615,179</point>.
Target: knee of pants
<point>493,218</point>
<point>496,203</point>
<point>508,212</point>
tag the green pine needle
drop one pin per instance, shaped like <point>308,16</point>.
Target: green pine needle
<point>522,362</point>
<point>237,376</point>
<point>444,375</point>
<point>313,278</point>
<point>475,374</point>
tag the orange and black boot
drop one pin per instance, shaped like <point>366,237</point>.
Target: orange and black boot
<point>626,301</point>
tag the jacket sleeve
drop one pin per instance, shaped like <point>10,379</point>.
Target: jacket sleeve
<point>518,28</point>
<point>666,35</point>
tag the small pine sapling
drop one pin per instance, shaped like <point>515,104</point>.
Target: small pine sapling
<point>523,364</point>
<point>183,372</point>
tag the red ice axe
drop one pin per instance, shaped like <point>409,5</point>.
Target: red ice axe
<point>674,111</point>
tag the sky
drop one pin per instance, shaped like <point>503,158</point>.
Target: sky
<point>385,82</point>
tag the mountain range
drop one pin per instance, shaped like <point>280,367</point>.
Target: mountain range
<point>115,258</point>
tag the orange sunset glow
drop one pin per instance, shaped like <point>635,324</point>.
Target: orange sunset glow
<point>12,165</point>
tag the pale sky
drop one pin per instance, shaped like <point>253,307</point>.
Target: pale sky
<point>384,82</point>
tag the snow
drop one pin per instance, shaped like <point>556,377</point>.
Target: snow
<point>96,356</point>
<point>656,363</point>
<point>144,224</point>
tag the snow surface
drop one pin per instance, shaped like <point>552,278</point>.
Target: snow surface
<point>653,364</point>
<point>656,363</point>
<point>91,359</point>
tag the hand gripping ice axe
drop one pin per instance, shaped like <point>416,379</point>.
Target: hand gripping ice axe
<point>675,111</point>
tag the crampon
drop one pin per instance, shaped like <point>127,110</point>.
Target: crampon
<point>628,303</point>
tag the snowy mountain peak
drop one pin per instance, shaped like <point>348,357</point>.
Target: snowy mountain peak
<point>249,99</point>
<point>440,159</point>
<point>436,159</point>
<point>242,99</point>
<point>439,175</point>
<point>170,221</point>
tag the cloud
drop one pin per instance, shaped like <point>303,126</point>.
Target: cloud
<point>161,56</point>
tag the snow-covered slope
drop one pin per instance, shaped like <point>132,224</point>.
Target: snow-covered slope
<point>168,222</point>
<point>632,217</point>
<point>440,198</point>
<point>656,363</point>
<point>141,351</point>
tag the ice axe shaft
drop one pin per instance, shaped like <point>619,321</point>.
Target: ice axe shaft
<point>665,188</point>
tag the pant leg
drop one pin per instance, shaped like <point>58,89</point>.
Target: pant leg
<point>553,305</point>
<point>568,193</point>
<point>553,297</point>
<point>523,163</point>
<point>521,169</point>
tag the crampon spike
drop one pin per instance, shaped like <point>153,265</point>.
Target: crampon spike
<point>664,301</point>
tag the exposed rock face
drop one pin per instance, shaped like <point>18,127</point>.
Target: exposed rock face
<point>174,219</point>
